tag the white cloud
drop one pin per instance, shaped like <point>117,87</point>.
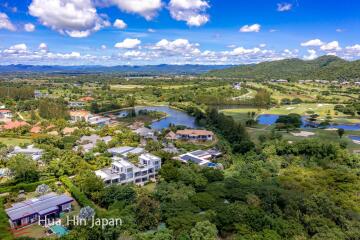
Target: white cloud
<point>262,45</point>
<point>312,43</point>
<point>16,49</point>
<point>146,8</point>
<point>128,43</point>
<point>43,46</point>
<point>5,22</point>
<point>339,30</point>
<point>331,46</point>
<point>251,28</point>
<point>120,24</point>
<point>190,11</point>
<point>178,45</point>
<point>311,55</point>
<point>150,30</point>
<point>283,7</point>
<point>76,18</point>
<point>29,27</point>
<point>103,47</point>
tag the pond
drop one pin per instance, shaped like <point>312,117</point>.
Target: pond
<point>174,116</point>
<point>270,119</point>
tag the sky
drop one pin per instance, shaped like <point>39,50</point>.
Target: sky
<point>147,32</point>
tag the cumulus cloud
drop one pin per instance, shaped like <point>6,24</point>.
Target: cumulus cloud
<point>128,43</point>
<point>283,7</point>
<point>5,22</point>
<point>179,46</point>
<point>193,12</point>
<point>251,28</point>
<point>76,18</point>
<point>16,49</point>
<point>331,46</point>
<point>311,55</point>
<point>120,24</point>
<point>312,43</point>
<point>43,46</point>
<point>151,30</point>
<point>146,8</point>
<point>29,27</point>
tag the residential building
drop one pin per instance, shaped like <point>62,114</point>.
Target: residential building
<point>237,85</point>
<point>86,99</point>
<point>88,143</point>
<point>145,133</point>
<point>201,157</point>
<point>48,206</point>
<point>80,115</point>
<point>124,151</point>
<point>171,136</point>
<point>99,120</point>
<point>76,104</point>
<point>6,113</point>
<point>13,125</point>
<point>123,170</point>
<point>30,151</point>
<point>193,134</point>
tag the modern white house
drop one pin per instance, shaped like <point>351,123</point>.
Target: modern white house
<point>30,151</point>
<point>124,170</point>
<point>201,157</point>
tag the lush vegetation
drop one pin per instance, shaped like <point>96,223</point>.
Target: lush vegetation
<point>326,67</point>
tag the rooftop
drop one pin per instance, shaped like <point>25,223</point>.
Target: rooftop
<point>194,132</point>
<point>36,205</point>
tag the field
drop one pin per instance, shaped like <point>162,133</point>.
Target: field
<point>241,114</point>
<point>320,134</point>
<point>14,141</point>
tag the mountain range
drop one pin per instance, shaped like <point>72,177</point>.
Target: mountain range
<point>325,68</point>
<point>128,70</point>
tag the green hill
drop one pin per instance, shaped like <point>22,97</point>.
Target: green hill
<point>325,67</point>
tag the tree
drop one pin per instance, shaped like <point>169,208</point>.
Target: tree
<point>147,212</point>
<point>42,189</point>
<point>341,132</point>
<point>204,231</point>
<point>86,212</point>
<point>23,168</point>
<point>89,183</point>
<point>114,193</point>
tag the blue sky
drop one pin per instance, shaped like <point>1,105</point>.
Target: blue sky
<point>76,32</point>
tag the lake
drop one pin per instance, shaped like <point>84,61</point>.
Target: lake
<point>175,116</point>
<point>270,119</point>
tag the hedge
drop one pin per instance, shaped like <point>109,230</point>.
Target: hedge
<point>80,197</point>
<point>4,224</point>
<point>76,193</point>
<point>27,187</point>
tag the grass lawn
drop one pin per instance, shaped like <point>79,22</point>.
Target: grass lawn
<point>33,231</point>
<point>321,134</point>
<point>120,87</point>
<point>150,187</point>
<point>14,141</point>
<point>240,114</point>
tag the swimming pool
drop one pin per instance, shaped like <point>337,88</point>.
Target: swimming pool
<point>59,230</point>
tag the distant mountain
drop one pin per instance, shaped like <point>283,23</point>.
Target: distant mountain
<point>325,67</point>
<point>142,70</point>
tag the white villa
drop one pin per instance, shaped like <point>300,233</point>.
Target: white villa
<point>201,157</point>
<point>123,171</point>
<point>30,151</point>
